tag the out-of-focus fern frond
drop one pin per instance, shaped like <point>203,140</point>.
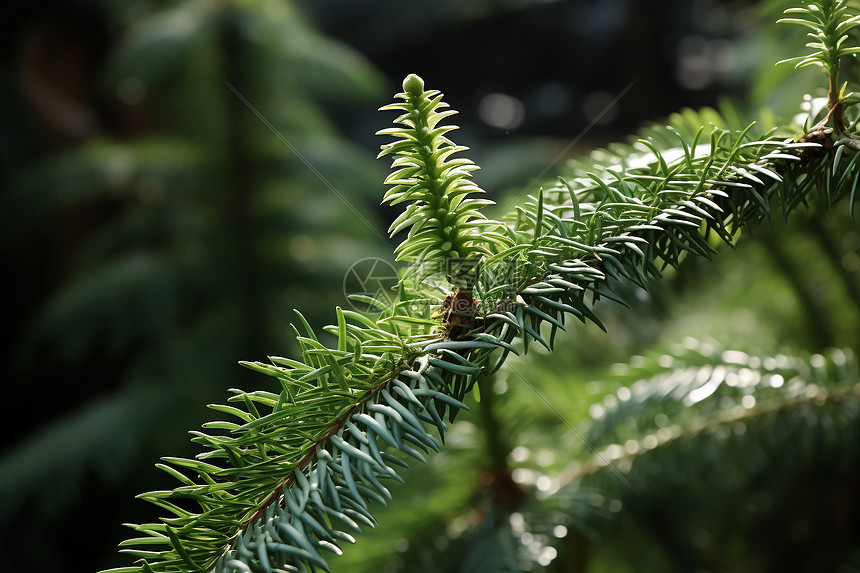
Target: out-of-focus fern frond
<point>143,295</point>
<point>701,387</point>
<point>100,440</point>
<point>161,41</point>
<point>733,435</point>
<point>109,170</point>
<point>320,65</point>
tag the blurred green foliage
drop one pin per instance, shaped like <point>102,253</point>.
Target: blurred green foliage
<point>175,240</point>
<point>187,244</point>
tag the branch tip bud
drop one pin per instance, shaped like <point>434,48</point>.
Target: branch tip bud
<point>413,85</point>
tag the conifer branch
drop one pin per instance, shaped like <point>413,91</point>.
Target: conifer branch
<point>294,470</point>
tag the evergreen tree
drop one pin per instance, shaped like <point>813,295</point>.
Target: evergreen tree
<point>676,468</point>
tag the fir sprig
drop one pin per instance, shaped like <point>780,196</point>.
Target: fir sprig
<point>830,23</point>
<point>293,471</point>
<point>444,223</point>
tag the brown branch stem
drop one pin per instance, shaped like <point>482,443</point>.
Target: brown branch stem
<point>302,464</point>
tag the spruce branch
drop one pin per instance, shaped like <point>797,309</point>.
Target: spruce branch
<point>293,471</point>
<point>830,24</point>
<point>715,419</point>
<point>255,498</point>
